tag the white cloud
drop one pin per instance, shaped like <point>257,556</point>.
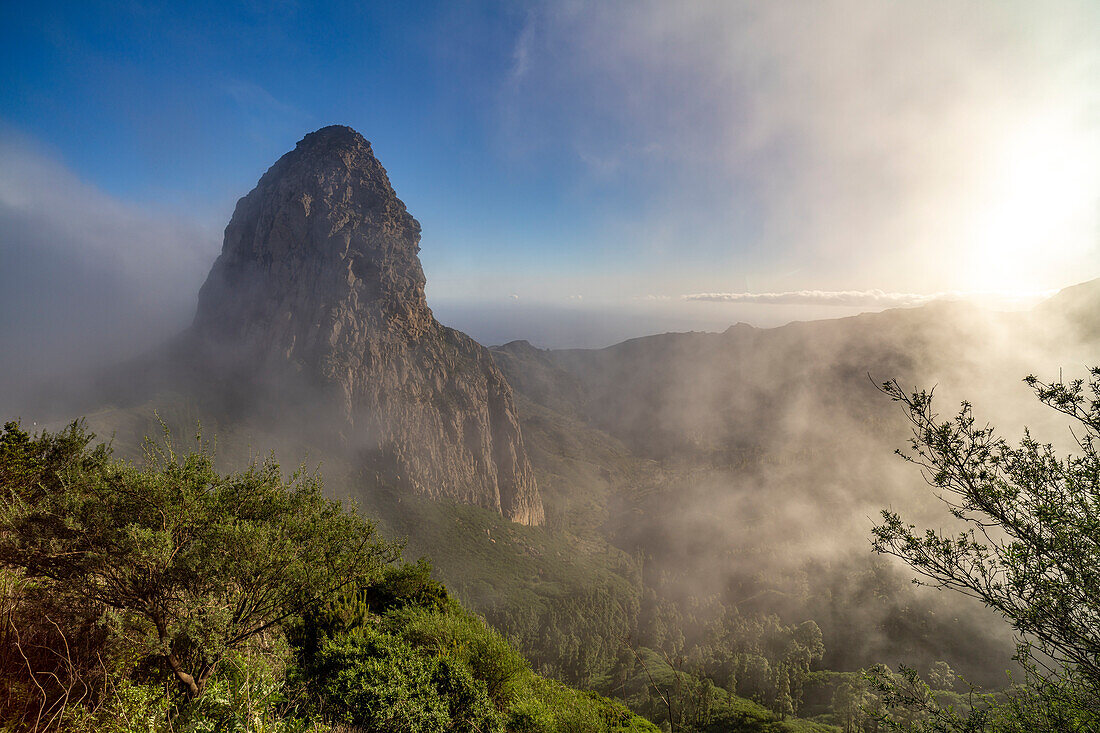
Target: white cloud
<point>866,298</point>
<point>45,207</point>
<point>521,52</point>
<point>256,99</point>
<point>847,136</point>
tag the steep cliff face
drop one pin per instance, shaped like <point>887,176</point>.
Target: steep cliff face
<point>319,283</point>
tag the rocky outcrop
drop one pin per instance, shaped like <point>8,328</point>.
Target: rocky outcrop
<point>319,288</point>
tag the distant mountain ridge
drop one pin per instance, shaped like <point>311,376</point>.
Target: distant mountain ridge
<point>750,463</point>
<point>702,392</point>
<point>1077,305</point>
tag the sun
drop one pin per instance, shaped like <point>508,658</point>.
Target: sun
<point>1036,220</point>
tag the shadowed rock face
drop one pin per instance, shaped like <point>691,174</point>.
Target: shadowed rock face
<point>319,288</point>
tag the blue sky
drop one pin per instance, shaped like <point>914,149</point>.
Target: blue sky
<point>578,168</point>
<point>185,104</point>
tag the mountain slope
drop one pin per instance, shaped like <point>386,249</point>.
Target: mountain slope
<point>748,465</point>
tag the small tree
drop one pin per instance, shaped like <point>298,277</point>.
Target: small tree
<point>783,705</point>
<point>1032,547</point>
<point>200,562</point>
<point>941,676</point>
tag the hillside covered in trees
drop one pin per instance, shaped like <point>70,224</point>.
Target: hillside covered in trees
<point>164,596</point>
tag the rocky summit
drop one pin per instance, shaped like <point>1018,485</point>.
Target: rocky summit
<point>319,288</point>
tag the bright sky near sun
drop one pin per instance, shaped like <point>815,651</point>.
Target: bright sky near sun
<point>767,159</point>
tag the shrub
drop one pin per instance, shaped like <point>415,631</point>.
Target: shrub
<point>467,639</point>
<point>380,682</point>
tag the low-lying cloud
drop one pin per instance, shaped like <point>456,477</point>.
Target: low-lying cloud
<point>85,279</point>
<point>867,298</point>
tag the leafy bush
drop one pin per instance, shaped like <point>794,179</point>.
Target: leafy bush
<point>1029,551</point>
<point>378,682</point>
<point>196,562</point>
<point>469,641</point>
<point>410,584</point>
<point>440,666</point>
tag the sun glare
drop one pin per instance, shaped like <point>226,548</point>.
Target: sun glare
<point>1038,218</point>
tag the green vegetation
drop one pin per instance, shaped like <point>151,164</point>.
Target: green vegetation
<point>572,603</point>
<point>165,596</point>
<point>568,606</point>
<point>680,695</point>
<point>580,612</point>
<point>200,565</point>
<point>1030,550</point>
<point>580,602</point>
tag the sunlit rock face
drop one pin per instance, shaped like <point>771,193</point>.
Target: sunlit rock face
<point>319,282</point>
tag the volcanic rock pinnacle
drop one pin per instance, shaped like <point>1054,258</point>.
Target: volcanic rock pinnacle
<point>319,282</point>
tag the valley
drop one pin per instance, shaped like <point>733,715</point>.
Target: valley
<point>683,515</point>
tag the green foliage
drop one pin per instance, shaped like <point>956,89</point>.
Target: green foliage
<point>470,642</point>
<point>854,704</point>
<point>550,707</point>
<point>571,611</point>
<point>576,635</point>
<point>417,626</point>
<point>760,657</point>
<point>410,584</point>
<point>200,562</point>
<point>133,708</point>
<point>441,668</point>
<point>278,605</point>
<point>564,602</point>
<point>357,608</point>
<point>1031,552</point>
<point>248,695</point>
<point>941,676</point>
<point>379,682</point>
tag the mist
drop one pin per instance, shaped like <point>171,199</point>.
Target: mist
<point>754,458</point>
<point>91,280</point>
<point>597,323</point>
<point>772,454</point>
<point>86,280</point>
<point>916,148</point>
